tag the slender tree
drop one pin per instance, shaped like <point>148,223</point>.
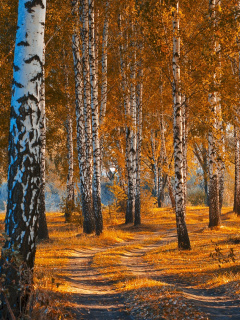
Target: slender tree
<point>183,239</point>
<point>80,93</point>
<point>43,229</point>
<point>155,162</point>
<point>24,178</point>
<point>69,128</point>
<point>237,172</point>
<point>139,102</point>
<point>213,164</point>
<point>97,206</point>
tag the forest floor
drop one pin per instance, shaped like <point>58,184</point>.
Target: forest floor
<point>138,272</point>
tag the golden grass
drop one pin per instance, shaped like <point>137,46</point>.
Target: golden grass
<point>203,266</point>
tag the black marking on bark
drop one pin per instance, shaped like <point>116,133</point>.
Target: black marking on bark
<point>35,57</point>
<point>23,43</point>
<point>39,113</point>
<point>37,77</point>
<point>31,136</point>
<point>26,35</point>
<point>16,68</point>
<point>31,4</point>
<point>27,97</point>
<point>42,23</point>
<point>17,84</point>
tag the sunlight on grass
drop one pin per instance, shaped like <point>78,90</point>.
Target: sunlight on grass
<point>213,262</point>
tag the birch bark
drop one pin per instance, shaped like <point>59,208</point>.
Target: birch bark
<point>133,132</point>
<point>104,66</point>
<point>185,140</point>
<point>88,223</point>
<point>104,85</point>
<point>183,239</point>
<point>137,219</point>
<point>126,97</point>
<point>24,178</point>
<point>214,203</point>
<point>155,163</point>
<point>70,181</point>
<point>43,229</point>
<point>97,207</point>
<point>237,171</point>
<point>236,206</point>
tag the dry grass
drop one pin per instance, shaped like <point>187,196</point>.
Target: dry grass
<point>209,264</point>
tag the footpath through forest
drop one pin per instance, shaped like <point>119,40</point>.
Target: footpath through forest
<point>106,281</point>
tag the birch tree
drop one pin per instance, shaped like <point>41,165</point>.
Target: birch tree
<point>80,94</point>
<point>155,162</point>
<point>21,224</point>
<point>97,206</point>
<point>183,239</point>
<point>104,65</point>
<point>127,110</point>
<point>69,128</point>
<point>214,202</point>
<point>139,103</point>
<point>43,229</point>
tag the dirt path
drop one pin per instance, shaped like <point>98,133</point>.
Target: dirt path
<point>214,303</point>
<point>97,299</point>
<point>94,298</point>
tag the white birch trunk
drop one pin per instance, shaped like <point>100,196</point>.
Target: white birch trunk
<point>183,239</point>
<point>89,226</point>
<point>69,128</point>
<point>24,179</point>
<point>95,124</point>
<point>185,140</point>
<point>166,162</point>
<point>155,163</point>
<point>237,171</point>
<point>104,84</point>
<point>125,90</point>
<point>43,229</point>
<point>133,140</point>
<point>88,220</point>
<point>104,66</point>
<point>139,96</point>
<point>213,143</point>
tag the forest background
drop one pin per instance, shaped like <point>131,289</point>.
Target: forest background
<point>154,20</point>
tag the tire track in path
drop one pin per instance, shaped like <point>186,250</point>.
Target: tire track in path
<point>217,305</point>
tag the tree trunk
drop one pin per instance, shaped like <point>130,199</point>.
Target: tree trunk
<point>202,156</point>
<point>213,144</point>
<point>214,207</point>
<point>183,239</point>
<point>155,163</point>
<point>133,140</point>
<point>237,172</point>
<point>70,180</point>
<point>104,84</point>
<point>97,206</point>
<point>43,229</point>
<point>104,66</point>
<point>185,140</point>
<point>24,177</point>
<point>88,224</point>
<point>166,162</point>
<point>87,204</point>
<point>137,220</point>
<point>125,90</point>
